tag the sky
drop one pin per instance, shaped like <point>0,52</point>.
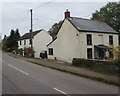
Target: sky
<point>16,14</point>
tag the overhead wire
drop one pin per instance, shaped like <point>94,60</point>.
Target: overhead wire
<point>23,19</point>
<point>43,4</point>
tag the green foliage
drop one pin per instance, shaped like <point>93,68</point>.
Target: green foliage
<point>55,28</point>
<point>79,74</point>
<point>11,41</point>
<point>27,53</point>
<point>116,52</point>
<point>8,49</point>
<point>111,14</point>
<point>20,51</point>
<point>108,66</point>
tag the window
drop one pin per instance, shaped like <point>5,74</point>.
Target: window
<point>89,39</point>
<point>119,39</point>
<point>89,53</point>
<point>111,40</point>
<point>24,42</point>
<point>20,42</point>
<point>50,51</point>
<point>30,40</point>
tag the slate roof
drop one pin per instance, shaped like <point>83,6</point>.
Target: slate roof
<point>88,25</point>
<point>27,35</point>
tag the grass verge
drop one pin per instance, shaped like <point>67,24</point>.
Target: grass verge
<point>78,74</point>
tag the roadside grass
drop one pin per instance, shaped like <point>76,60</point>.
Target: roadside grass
<point>104,71</point>
<point>54,61</point>
<point>82,75</point>
<point>70,64</point>
<point>92,69</point>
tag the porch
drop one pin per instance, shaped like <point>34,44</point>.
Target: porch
<point>102,52</point>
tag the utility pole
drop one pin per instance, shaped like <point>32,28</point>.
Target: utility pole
<point>31,30</point>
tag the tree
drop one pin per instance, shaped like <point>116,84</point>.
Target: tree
<point>110,13</point>
<point>11,41</point>
<point>17,34</point>
<point>54,30</point>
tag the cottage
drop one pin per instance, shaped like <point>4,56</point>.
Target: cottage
<point>82,38</point>
<point>39,41</point>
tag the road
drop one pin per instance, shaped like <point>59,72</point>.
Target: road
<point>21,77</point>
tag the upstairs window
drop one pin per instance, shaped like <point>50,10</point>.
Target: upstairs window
<point>89,39</point>
<point>119,39</point>
<point>20,42</point>
<point>50,51</point>
<point>30,41</point>
<point>111,40</point>
<point>24,42</point>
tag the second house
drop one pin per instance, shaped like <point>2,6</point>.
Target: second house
<point>40,39</point>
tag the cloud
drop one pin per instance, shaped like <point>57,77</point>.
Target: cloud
<point>17,15</point>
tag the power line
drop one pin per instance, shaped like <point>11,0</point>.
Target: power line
<point>22,20</point>
<point>43,5</point>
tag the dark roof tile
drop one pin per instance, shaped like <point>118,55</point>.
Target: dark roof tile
<point>27,35</point>
<point>91,25</point>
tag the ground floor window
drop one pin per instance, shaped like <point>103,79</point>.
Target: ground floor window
<point>89,53</point>
<point>20,42</point>
<point>50,51</point>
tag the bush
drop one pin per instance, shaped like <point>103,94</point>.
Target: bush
<point>20,51</point>
<point>28,52</point>
<point>108,66</point>
<point>8,49</point>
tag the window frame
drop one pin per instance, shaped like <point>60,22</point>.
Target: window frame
<point>24,42</point>
<point>111,39</point>
<point>50,51</point>
<point>89,39</point>
<point>89,56</point>
<point>20,42</point>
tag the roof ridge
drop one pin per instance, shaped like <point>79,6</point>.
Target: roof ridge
<point>81,18</point>
<point>91,25</point>
<point>86,19</point>
<point>27,35</point>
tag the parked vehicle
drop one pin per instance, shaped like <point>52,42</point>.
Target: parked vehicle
<point>43,54</point>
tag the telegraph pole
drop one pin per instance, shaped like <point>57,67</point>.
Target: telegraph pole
<point>31,31</point>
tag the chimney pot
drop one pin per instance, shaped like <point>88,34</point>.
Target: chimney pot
<point>67,14</point>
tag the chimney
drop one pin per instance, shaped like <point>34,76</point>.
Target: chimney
<point>102,19</point>
<point>67,14</point>
<point>5,36</point>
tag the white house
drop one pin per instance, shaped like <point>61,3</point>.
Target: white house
<point>82,38</point>
<point>39,41</point>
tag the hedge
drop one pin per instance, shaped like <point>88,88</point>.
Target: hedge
<point>109,66</point>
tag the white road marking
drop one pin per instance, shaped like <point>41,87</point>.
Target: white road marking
<point>1,60</point>
<point>18,69</point>
<point>61,91</point>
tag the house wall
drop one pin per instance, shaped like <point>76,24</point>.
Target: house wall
<point>22,44</point>
<point>73,44</point>
<point>97,38</point>
<point>40,42</point>
<point>65,46</point>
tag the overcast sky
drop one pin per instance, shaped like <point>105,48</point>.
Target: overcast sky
<point>17,14</point>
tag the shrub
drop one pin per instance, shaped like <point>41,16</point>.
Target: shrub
<point>108,66</point>
<point>28,52</point>
<point>20,51</point>
<point>8,49</point>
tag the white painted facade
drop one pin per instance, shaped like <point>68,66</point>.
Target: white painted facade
<point>40,42</point>
<point>71,43</point>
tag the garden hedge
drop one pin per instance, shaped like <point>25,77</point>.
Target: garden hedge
<point>110,66</point>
